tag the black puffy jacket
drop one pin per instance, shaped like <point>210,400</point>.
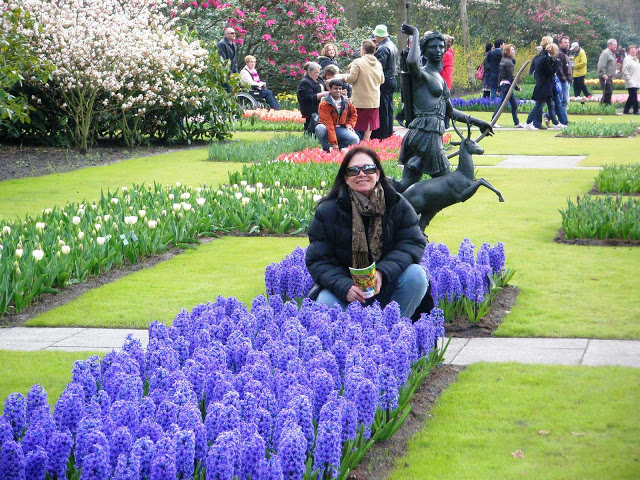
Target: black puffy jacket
<point>307,95</point>
<point>329,254</point>
<point>543,67</point>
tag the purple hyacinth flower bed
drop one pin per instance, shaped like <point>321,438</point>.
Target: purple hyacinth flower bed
<point>481,104</point>
<point>280,391</point>
<point>464,283</point>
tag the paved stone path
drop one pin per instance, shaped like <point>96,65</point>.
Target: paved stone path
<point>461,351</point>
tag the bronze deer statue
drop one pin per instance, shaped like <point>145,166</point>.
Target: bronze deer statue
<point>430,196</point>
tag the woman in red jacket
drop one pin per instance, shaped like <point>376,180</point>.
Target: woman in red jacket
<point>447,61</point>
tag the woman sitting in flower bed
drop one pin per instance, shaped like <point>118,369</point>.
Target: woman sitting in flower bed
<point>360,221</point>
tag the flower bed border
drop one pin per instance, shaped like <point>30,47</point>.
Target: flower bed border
<point>560,237</point>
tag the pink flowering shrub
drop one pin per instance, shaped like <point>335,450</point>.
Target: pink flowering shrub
<point>281,34</point>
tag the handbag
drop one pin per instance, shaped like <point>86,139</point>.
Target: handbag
<point>557,85</point>
<point>480,72</point>
<point>314,120</point>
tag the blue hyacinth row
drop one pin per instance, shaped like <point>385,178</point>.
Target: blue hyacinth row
<point>279,391</point>
<point>459,283</point>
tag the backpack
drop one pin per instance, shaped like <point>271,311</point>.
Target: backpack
<point>480,72</point>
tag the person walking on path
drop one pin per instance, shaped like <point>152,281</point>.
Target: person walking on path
<point>337,119</point>
<point>494,57</point>
<point>387,54</point>
<point>579,59</point>
<point>631,75</point>
<point>506,78</point>
<point>366,76</point>
<point>607,64</point>
<point>543,68</point>
<point>567,73</point>
<point>557,113</point>
<point>486,91</point>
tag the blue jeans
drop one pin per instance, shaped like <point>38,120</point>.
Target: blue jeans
<point>408,290</point>
<point>345,136</point>
<point>267,95</point>
<point>513,103</point>
<point>557,110</point>
<point>535,115</point>
<point>494,92</point>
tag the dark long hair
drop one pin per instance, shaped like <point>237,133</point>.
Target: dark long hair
<point>339,182</point>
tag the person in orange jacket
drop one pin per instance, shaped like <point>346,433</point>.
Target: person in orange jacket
<point>338,118</point>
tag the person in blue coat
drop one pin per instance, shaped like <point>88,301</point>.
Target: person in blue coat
<point>494,57</point>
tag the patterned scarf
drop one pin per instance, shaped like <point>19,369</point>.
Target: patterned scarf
<point>364,252</point>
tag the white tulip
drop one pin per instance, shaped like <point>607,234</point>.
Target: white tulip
<point>124,189</point>
<point>81,211</point>
<point>65,249</point>
<point>37,255</point>
<point>185,196</point>
<point>80,235</point>
<point>100,240</point>
<point>201,201</point>
<point>276,183</point>
<point>19,252</point>
<point>171,196</point>
<point>115,200</point>
<point>152,224</point>
<point>323,184</point>
<point>186,206</point>
<point>130,220</point>
<point>245,200</point>
<point>243,183</point>
<point>316,198</point>
<point>176,207</point>
<point>47,211</point>
<point>6,230</point>
<point>178,184</point>
<point>40,225</point>
<point>142,213</point>
<point>75,220</point>
<point>238,195</point>
<point>97,227</point>
<point>107,217</point>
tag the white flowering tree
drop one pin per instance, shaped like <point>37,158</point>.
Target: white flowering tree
<point>125,68</point>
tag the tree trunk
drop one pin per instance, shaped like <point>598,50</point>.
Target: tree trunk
<point>351,12</point>
<point>401,16</point>
<point>464,24</point>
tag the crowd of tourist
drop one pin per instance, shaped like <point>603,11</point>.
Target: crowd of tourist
<point>343,108</point>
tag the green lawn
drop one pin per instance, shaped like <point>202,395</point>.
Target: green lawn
<point>493,411</point>
<point>30,195</point>
<point>52,370</point>
<point>232,266</point>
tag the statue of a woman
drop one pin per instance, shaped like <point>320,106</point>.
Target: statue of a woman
<point>422,150</point>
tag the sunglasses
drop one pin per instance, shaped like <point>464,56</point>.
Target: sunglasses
<point>369,169</point>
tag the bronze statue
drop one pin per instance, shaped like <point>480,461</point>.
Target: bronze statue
<point>427,105</point>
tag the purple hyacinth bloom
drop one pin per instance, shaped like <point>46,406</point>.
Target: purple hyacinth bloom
<point>143,450</point>
<point>449,287</point>
<point>36,400</point>
<point>497,258</point>
<point>185,453</point>
<point>483,255</point>
<point>81,374</point>
<point>95,464</point>
<point>221,460</point>
<point>166,414</point>
<point>35,464</point>
<point>366,399</point>
<point>68,411</point>
<point>127,467</point>
<point>466,252</point>
<point>301,405</point>
<point>121,442</point>
<point>252,458</point>
<point>12,461</point>
<point>148,427</point>
<point>328,450</point>
<point>272,279</point>
<point>349,418</point>
<point>163,461</point>
<point>15,411</point>
<point>34,437</point>
<point>391,315</point>
<point>273,469</point>
<point>292,451</point>
<point>58,450</point>
<point>6,432</point>
<point>125,414</point>
<point>388,388</point>
<point>322,386</point>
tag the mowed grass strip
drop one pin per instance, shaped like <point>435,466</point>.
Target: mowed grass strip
<point>20,370</point>
<point>566,290</point>
<point>30,196</point>
<point>567,422</point>
<point>231,266</point>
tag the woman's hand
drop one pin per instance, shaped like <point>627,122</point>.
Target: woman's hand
<point>322,94</point>
<point>354,294</point>
<point>378,282</point>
